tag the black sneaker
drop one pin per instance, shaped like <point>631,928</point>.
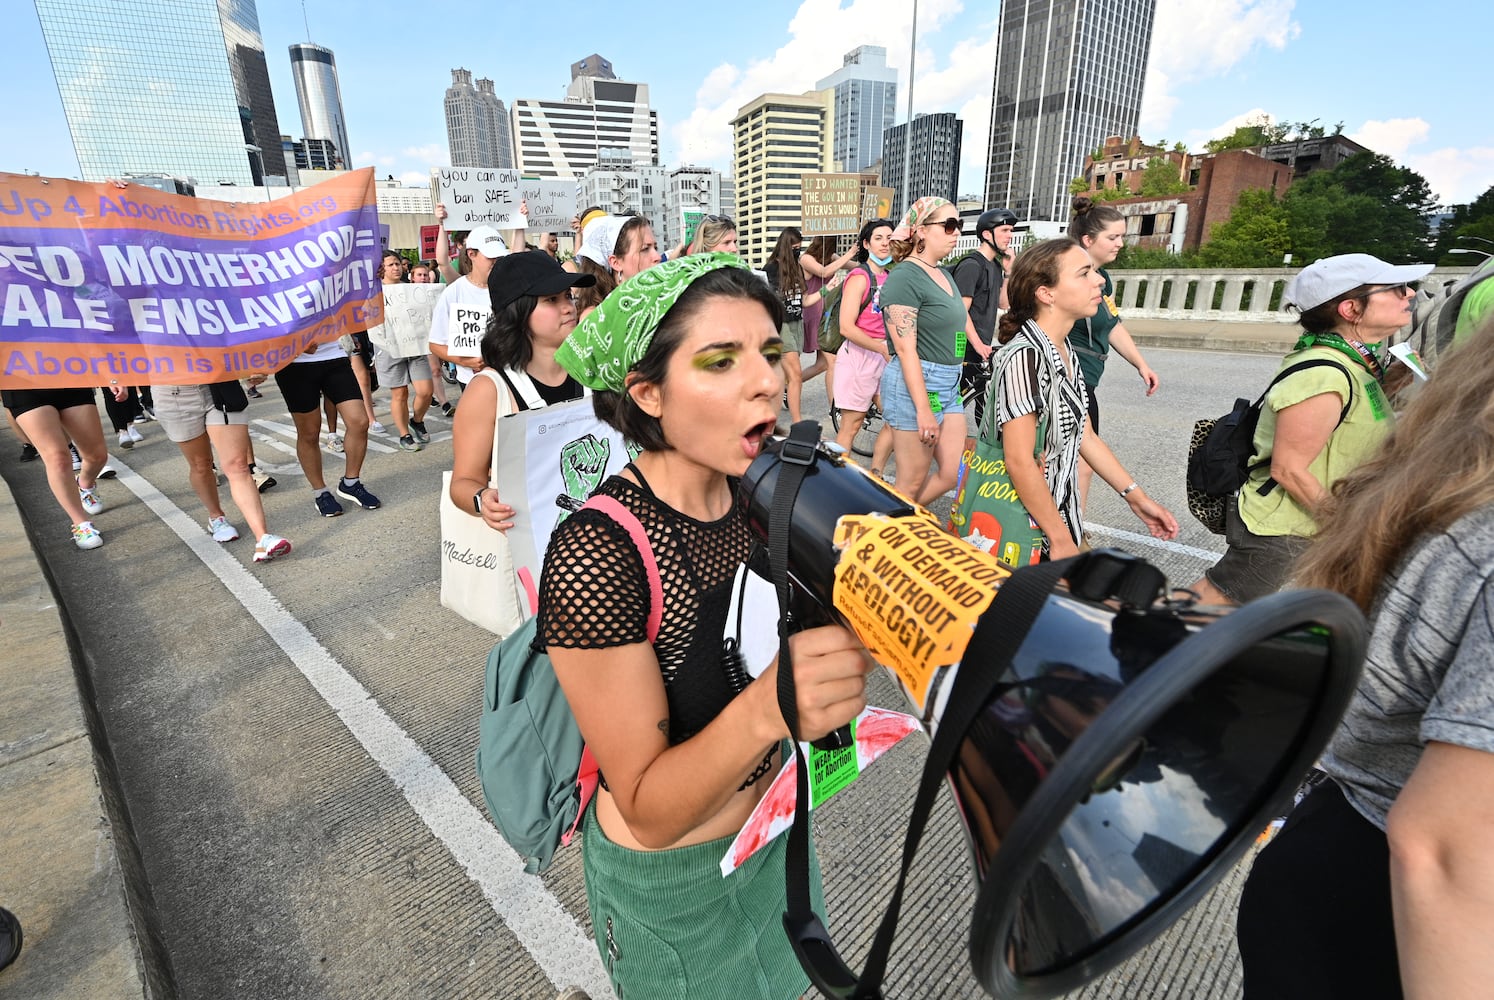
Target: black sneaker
<point>253,393</point>
<point>447,410</point>
<point>417,427</point>
<point>10,937</point>
<point>408,442</point>
<point>358,494</point>
<point>29,453</point>
<point>327,505</point>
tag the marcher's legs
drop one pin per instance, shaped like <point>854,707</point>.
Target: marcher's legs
<point>793,383</point>
<point>309,445</point>
<point>913,460</point>
<point>83,427</point>
<point>424,389</point>
<point>231,442</point>
<point>355,441</point>
<point>360,372</point>
<point>399,408</point>
<point>947,456</point>
<point>43,426</point>
<point>199,455</point>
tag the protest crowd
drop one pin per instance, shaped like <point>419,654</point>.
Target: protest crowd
<point>1379,884</point>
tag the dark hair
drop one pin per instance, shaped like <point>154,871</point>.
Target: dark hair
<point>1090,219</point>
<point>790,274</point>
<point>506,342</point>
<point>592,296</point>
<point>1324,317</point>
<point>1034,268</point>
<point>862,254</point>
<point>821,248</point>
<point>619,409</point>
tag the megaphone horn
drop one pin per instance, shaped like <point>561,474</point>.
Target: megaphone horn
<point>1111,756</point>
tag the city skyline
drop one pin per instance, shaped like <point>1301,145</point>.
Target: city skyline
<point>1213,65</point>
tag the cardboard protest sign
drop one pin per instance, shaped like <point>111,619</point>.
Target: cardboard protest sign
<point>406,330</point>
<point>549,462</point>
<point>876,202</point>
<point>101,284</point>
<point>552,204</point>
<point>476,197</point>
<point>830,204</point>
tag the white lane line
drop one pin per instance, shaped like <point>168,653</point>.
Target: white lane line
<point>1156,543</point>
<point>548,933</point>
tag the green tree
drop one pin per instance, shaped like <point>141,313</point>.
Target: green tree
<point>1367,204</point>
<point>1160,178</point>
<point>1256,234</point>
<point>1259,131</point>
<point>1465,226</point>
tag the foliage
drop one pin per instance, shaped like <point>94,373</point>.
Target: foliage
<point>1367,204</point>
<point>1257,234</point>
<point>1160,179</point>
<point>1466,226</point>
<point>1154,257</point>
<point>1262,131</point>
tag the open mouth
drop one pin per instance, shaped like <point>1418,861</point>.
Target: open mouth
<point>752,441</point>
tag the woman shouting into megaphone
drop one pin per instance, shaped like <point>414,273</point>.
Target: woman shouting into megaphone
<point>684,360</point>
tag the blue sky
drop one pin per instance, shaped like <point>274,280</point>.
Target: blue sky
<point>1400,79</point>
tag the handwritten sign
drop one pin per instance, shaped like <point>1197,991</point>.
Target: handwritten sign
<point>468,324</point>
<point>476,197</point>
<point>552,203</point>
<point>876,202</point>
<point>830,204</point>
<point>912,593</point>
<point>406,330</point>
<point>102,284</point>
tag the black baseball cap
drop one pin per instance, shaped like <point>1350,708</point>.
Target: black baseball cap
<point>530,273</point>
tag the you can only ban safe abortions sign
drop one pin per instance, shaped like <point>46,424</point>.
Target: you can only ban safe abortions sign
<point>101,284</point>
<point>493,197</point>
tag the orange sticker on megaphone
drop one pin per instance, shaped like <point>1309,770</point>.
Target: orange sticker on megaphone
<point>912,593</point>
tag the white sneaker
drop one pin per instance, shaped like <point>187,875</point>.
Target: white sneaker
<point>90,500</point>
<point>222,530</point>
<point>269,547</point>
<point>125,441</point>
<point>334,443</point>
<point>108,471</point>
<point>376,427</point>
<point>134,434</point>
<point>86,536</point>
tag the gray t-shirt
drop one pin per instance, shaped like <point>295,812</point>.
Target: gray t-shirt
<point>1429,674</point>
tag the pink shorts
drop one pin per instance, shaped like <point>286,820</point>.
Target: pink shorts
<point>858,374</point>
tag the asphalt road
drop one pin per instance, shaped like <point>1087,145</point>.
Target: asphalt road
<point>294,740</point>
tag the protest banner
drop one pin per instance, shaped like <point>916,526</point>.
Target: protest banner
<point>406,330</point>
<point>691,222</point>
<point>876,202</point>
<point>476,197</point>
<point>102,284</point>
<point>428,235</point>
<point>551,203</point>
<point>830,204</point>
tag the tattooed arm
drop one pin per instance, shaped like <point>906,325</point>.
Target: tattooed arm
<point>902,331</point>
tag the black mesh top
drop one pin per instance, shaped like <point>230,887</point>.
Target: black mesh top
<point>594,595</point>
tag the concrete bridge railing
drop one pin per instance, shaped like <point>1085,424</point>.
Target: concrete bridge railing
<point>1231,295</point>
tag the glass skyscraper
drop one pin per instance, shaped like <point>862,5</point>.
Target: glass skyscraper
<point>320,97</point>
<point>179,88</point>
<point>865,95</point>
<point>1068,74</point>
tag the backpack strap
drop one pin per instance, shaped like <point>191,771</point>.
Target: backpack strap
<point>1264,489</point>
<point>589,775</point>
<point>522,386</point>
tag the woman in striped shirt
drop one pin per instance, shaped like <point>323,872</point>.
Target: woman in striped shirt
<point>1036,383</point>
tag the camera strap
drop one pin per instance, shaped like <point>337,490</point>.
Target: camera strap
<point>997,637</point>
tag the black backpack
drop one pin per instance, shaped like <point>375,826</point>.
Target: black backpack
<point>1220,451</point>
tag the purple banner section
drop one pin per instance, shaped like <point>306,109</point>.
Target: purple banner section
<point>178,290</point>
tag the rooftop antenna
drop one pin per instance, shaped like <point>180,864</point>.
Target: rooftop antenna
<point>306,20</point>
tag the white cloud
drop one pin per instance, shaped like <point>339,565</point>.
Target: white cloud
<point>820,32</point>
<point>433,154</point>
<point>1456,176</point>
<point>415,178</point>
<point>1196,139</point>
<point>1394,137</point>
<point>1193,41</point>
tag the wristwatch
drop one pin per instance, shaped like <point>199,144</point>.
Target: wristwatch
<point>477,500</point>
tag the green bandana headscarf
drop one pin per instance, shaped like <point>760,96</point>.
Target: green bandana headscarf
<point>614,336</point>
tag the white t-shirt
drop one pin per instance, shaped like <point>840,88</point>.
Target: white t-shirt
<point>459,320</point>
<point>322,352</point>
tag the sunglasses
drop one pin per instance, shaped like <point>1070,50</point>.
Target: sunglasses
<point>719,220</point>
<point>1399,290</point>
<point>951,226</point>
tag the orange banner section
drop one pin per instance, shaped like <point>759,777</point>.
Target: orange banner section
<point>50,203</point>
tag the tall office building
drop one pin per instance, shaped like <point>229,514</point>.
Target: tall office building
<point>690,190</point>
<point>1068,74</point>
<point>187,94</point>
<point>563,138</point>
<point>623,187</point>
<point>935,153</point>
<point>320,97</point>
<point>865,95</point>
<point>477,124</point>
<point>778,138</point>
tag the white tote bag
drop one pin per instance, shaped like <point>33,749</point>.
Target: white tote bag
<point>477,572</point>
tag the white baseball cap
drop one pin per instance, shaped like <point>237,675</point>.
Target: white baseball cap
<point>486,240</point>
<point>1326,279</point>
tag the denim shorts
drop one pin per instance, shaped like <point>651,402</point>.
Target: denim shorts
<point>897,406</point>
